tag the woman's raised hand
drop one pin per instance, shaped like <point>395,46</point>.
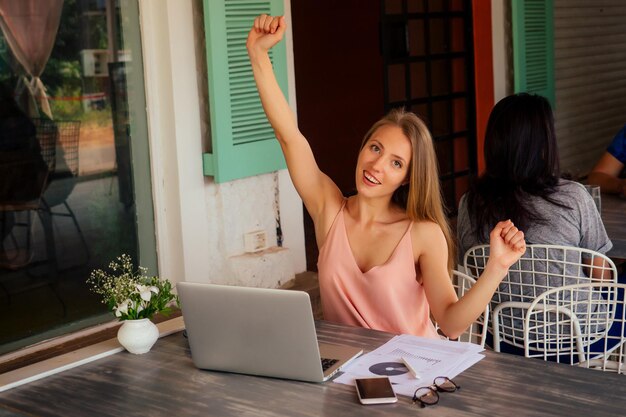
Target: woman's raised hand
<point>506,244</point>
<point>266,32</point>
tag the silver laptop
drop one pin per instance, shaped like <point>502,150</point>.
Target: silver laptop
<point>257,331</point>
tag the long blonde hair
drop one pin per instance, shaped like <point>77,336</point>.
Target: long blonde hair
<point>421,196</point>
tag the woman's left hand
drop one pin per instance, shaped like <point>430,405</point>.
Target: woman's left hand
<point>506,244</point>
<point>266,32</point>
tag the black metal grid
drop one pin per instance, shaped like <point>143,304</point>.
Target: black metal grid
<point>419,53</point>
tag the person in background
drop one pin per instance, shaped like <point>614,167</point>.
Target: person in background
<point>608,172</point>
<point>386,253</point>
<point>522,182</point>
<point>23,171</point>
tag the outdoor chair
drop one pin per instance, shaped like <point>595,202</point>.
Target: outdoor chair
<point>477,331</point>
<point>63,178</point>
<point>47,135</point>
<point>16,211</point>
<point>540,269</point>
<point>567,325</point>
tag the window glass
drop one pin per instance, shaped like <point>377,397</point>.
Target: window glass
<point>73,107</point>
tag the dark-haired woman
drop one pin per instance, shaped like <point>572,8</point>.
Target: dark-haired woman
<point>522,183</point>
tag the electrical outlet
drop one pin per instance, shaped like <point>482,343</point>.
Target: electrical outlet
<point>255,241</point>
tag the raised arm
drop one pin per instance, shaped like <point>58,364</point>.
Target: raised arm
<point>454,315</point>
<point>606,174</point>
<point>313,186</point>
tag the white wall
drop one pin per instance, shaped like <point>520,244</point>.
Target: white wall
<point>500,37</point>
<point>200,224</point>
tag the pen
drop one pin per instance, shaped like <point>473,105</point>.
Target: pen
<point>411,369</point>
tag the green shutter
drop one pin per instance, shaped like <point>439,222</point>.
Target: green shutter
<point>243,142</point>
<point>533,47</point>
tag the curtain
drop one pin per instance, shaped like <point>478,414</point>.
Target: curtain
<point>30,28</point>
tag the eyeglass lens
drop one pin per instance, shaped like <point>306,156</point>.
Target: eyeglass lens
<point>429,395</point>
<point>445,384</point>
<point>426,396</point>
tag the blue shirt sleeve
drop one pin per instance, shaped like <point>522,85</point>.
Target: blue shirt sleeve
<point>617,148</point>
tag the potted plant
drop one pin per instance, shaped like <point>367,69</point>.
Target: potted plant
<point>134,297</point>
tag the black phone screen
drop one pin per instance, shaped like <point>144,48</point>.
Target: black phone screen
<point>374,388</point>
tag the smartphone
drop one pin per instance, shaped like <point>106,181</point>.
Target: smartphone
<point>376,390</point>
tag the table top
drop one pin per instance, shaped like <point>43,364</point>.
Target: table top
<point>165,382</point>
<point>614,219</point>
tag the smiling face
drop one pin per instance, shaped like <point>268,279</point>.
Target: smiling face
<point>383,162</point>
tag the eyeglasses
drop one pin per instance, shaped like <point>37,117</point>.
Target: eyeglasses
<point>430,395</point>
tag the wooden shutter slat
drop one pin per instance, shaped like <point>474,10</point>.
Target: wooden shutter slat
<point>243,141</point>
<point>533,58</point>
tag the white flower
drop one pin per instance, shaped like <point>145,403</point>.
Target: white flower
<point>146,292</point>
<point>121,308</point>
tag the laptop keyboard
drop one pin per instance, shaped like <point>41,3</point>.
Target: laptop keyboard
<point>327,363</point>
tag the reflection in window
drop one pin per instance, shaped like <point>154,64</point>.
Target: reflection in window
<point>66,191</point>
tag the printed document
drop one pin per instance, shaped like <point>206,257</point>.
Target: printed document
<point>428,359</point>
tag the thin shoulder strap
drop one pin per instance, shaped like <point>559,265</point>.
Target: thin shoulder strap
<point>333,224</point>
<point>343,204</point>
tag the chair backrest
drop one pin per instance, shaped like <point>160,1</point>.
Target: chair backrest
<point>59,141</point>
<point>69,134</point>
<point>541,268</point>
<point>477,332</point>
<point>48,136</point>
<point>579,324</point>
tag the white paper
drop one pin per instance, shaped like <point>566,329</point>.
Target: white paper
<point>429,357</point>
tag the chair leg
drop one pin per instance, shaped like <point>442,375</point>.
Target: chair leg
<point>54,286</point>
<point>29,231</point>
<point>78,229</point>
<point>46,221</point>
<point>20,257</point>
<point>8,232</point>
<point>70,213</point>
<point>495,321</point>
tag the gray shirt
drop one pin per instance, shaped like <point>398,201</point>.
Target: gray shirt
<point>580,226</point>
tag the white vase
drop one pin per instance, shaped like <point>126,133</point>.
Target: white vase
<point>138,336</point>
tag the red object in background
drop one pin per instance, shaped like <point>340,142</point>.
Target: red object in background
<point>483,70</point>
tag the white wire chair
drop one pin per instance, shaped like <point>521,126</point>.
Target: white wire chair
<point>540,269</point>
<point>579,324</point>
<point>477,332</point>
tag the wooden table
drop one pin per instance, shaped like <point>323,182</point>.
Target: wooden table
<point>164,382</point>
<point>614,219</point>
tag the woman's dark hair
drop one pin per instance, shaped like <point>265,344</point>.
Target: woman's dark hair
<point>521,159</point>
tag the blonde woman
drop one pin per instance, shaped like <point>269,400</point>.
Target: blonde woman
<point>386,253</point>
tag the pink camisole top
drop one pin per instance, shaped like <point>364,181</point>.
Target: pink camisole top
<point>387,297</point>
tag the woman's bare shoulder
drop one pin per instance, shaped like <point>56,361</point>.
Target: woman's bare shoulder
<point>427,235</point>
<point>427,227</point>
